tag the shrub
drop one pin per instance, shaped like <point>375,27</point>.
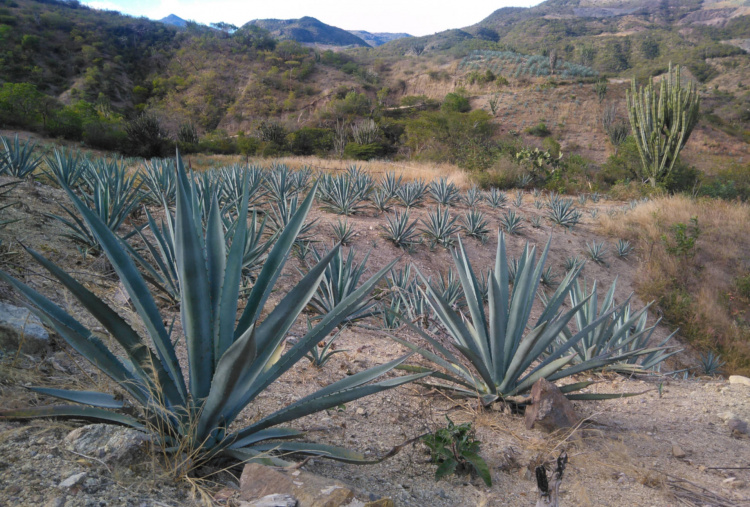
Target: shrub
<point>539,130</point>
<point>364,151</point>
<point>455,450</point>
<point>146,137</point>
<point>456,103</point>
<point>310,141</point>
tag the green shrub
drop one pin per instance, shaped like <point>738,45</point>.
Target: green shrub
<point>539,130</point>
<point>455,450</point>
<point>730,183</point>
<point>147,138</point>
<point>218,142</point>
<point>364,151</point>
<point>621,166</point>
<point>310,141</point>
<point>456,103</point>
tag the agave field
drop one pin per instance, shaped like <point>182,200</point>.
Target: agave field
<point>356,285</point>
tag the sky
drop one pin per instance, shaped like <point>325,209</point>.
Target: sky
<point>416,17</point>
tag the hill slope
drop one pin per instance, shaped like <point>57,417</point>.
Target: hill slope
<point>308,30</point>
<point>378,38</point>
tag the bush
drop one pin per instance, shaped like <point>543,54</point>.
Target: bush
<point>147,138</point>
<point>539,130</point>
<point>104,136</point>
<point>621,166</point>
<point>364,151</point>
<point>682,178</point>
<point>730,183</point>
<point>456,103</point>
<point>217,142</point>
<point>310,141</point>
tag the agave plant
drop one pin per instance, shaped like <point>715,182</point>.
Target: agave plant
<point>398,230</point>
<point>344,194</point>
<point>597,251</point>
<point>324,350</point>
<point>511,222</point>
<point>231,180</point>
<point>595,197</point>
<point>711,363</point>
<point>582,198</point>
<point>440,227</point>
<point>594,213</point>
<point>113,196</point>
<point>343,232</point>
<point>548,278</point>
<point>475,225</point>
<point>472,198</point>
<point>449,287</point>
<point>623,332</point>
<point>524,180</point>
<point>518,201</point>
<point>18,159</point>
<point>538,203</point>
<point>495,198</point>
<point>562,212</point>
<point>381,200</point>
<point>282,213</point>
<point>160,178</point>
<point>230,362</point>
<point>389,184</point>
<point>503,358</point>
<point>536,222</point>
<point>623,248</point>
<point>340,279</point>
<point>412,194</point>
<point>572,262</point>
<point>280,183</point>
<point>66,167</point>
<point>444,193</point>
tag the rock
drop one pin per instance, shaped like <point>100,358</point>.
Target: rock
<point>550,409</point>
<point>737,426</point>
<point>55,502</point>
<point>20,327</point>
<point>739,379</point>
<point>73,480</point>
<point>310,490</point>
<point>383,502</point>
<point>677,451</point>
<point>111,444</point>
<point>272,501</point>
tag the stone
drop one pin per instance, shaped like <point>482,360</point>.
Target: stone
<point>739,379</point>
<point>737,426</point>
<point>677,451</point>
<point>383,502</point>
<point>73,480</point>
<point>114,445</point>
<point>310,490</point>
<point>272,501</point>
<point>550,410</point>
<point>21,328</point>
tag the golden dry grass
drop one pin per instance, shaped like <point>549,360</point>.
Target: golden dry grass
<point>694,291</point>
<point>409,170</point>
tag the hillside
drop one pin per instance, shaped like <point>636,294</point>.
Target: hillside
<point>308,30</point>
<point>378,38</point>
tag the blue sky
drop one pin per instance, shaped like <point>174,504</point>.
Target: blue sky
<point>417,17</point>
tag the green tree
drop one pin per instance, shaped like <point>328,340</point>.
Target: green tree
<point>19,103</point>
<point>457,103</point>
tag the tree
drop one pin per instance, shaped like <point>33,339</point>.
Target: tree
<point>662,123</point>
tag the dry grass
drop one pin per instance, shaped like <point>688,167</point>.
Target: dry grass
<point>694,291</point>
<point>409,170</point>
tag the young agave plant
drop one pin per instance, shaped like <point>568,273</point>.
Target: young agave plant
<point>389,184</point>
<point>398,230</point>
<point>66,167</point>
<point>230,362</point>
<point>472,198</point>
<point>440,227</point>
<point>412,194</point>
<point>562,212</point>
<point>511,222</point>
<point>444,193</point>
<point>475,225</point>
<point>381,201</point>
<point>324,351</point>
<point>623,248</point>
<point>160,178</point>
<point>18,159</point>
<point>518,201</point>
<point>344,194</point>
<point>597,251</point>
<point>495,198</point>
<point>502,358</point>
<point>343,232</point>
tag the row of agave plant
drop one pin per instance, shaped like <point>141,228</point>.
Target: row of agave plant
<point>199,256</point>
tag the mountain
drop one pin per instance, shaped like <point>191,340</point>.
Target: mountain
<point>378,38</point>
<point>174,20</point>
<point>308,30</point>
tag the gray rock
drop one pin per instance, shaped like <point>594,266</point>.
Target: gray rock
<point>20,327</point>
<point>73,480</point>
<point>111,444</point>
<point>272,501</point>
<point>737,426</point>
<point>739,379</point>
<point>677,451</point>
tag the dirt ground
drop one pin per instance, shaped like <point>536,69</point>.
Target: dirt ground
<point>624,454</point>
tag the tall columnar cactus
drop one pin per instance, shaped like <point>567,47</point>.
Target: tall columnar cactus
<point>662,122</point>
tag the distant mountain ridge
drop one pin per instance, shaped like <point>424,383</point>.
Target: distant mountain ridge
<point>308,30</point>
<point>375,39</point>
<point>174,20</point>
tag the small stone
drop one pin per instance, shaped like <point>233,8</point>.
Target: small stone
<point>677,451</point>
<point>73,480</point>
<point>55,502</point>
<point>21,328</point>
<point>739,379</point>
<point>725,416</point>
<point>383,502</point>
<point>737,426</point>
<point>361,411</point>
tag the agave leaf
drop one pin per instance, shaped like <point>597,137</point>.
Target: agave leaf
<point>92,414</point>
<point>602,396</point>
<point>327,451</point>
<point>93,398</point>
